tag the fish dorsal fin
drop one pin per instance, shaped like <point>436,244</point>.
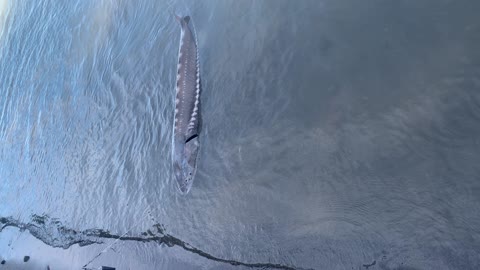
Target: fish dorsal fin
<point>186,19</point>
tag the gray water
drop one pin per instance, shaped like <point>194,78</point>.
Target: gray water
<point>336,135</point>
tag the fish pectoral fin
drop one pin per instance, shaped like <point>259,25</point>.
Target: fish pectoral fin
<point>191,138</point>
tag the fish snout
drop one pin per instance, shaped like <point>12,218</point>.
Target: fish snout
<point>183,176</point>
<point>184,189</point>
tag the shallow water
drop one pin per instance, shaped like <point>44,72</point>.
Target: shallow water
<point>336,135</point>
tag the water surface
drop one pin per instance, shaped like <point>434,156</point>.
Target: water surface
<point>336,134</point>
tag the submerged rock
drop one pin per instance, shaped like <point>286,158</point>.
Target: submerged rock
<point>26,258</point>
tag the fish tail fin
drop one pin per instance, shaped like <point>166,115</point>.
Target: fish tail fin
<point>180,19</point>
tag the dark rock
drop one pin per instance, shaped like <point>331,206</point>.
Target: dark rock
<point>26,258</point>
<point>3,262</point>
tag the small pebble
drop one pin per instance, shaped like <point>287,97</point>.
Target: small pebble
<point>3,262</point>
<point>26,258</point>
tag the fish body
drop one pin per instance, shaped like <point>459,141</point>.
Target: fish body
<point>187,108</point>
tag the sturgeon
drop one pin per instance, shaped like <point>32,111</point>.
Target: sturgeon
<point>186,127</point>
